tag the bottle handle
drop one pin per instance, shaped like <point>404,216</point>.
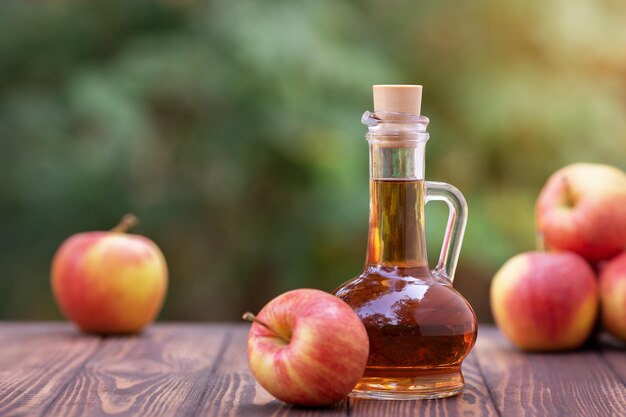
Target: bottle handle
<point>455,229</point>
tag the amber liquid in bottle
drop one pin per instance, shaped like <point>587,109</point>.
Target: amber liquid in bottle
<point>420,328</point>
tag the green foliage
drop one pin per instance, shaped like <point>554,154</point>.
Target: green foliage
<point>232,130</point>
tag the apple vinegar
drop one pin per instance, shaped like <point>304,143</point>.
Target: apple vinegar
<point>419,327</point>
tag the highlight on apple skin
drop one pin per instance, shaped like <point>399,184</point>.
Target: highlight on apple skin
<point>109,282</point>
<point>307,347</point>
<point>582,208</point>
<point>545,301</point>
<point>613,297</point>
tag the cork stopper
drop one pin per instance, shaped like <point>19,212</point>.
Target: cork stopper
<point>398,98</point>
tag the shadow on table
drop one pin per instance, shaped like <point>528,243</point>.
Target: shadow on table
<point>276,408</point>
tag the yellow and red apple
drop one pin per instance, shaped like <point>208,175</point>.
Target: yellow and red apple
<point>545,301</point>
<point>613,296</point>
<point>307,347</point>
<point>109,282</point>
<point>582,208</point>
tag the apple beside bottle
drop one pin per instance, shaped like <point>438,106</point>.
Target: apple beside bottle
<point>307,347</point>
<point>545,301</point>
<point>582,209</point>
<point>549,301</point>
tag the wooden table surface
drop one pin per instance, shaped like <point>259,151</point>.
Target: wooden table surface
<point>201,370</point>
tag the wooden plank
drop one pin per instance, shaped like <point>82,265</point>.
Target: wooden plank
<point>614,353</point>
<point>201,370</point>
<point>163,372</point>
<point>576,383</point>
<point>475,400</point>
<point>236,393</point>
<point>37,360</point>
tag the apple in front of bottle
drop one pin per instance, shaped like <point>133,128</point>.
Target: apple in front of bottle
<point>545,301</point>
<point>109,282</point>
<point>613,296</point>
<point>582,208</point>
<point>307,347</point>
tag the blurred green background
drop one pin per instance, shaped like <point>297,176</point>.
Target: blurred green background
<point>231,128</point>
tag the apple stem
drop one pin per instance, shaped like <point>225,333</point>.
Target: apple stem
<point>128,221</point>
<point>570,199</point>
<point>252,319</point>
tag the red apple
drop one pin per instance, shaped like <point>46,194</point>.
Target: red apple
<point>613,296</point>
<point>545,301</point>
<point>582,208</point>
<point>307,347</point>
<point>109,282</point>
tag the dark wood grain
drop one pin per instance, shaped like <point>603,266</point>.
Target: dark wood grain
<point>201,370</point>
<point>578,383</point>
<point>36,362</point>
<point>163,372</point>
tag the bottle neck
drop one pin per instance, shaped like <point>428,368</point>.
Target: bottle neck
<point>396,224</point>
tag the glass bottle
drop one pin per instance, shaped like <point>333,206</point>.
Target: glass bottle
<point>420,328</point>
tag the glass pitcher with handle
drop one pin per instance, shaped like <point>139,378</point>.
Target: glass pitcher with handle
<point>420,328</point>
